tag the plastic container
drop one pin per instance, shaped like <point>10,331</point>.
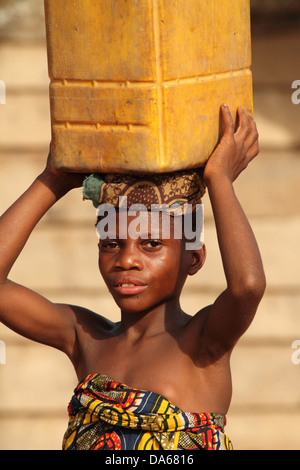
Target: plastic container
<point>136,85</point>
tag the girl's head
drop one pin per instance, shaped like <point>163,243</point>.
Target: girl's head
<point>140,265</point>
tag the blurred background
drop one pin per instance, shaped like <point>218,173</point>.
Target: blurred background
<point>60,260</point>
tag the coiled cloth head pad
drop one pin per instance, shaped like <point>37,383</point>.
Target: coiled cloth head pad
<point>161,190</point>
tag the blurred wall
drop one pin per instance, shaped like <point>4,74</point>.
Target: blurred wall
<point>60,260</point>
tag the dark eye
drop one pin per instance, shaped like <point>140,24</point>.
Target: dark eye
<point>152,244</point>
<point>108,245</point>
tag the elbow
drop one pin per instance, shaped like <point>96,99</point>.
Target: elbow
<point>257,286</point>
<point>251,289</point>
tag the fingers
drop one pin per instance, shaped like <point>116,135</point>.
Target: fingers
<point>247,125</point>
<point>228,121</point>
<point>244,122</point>
<point>251,141</point>
<point>253,151</point>
<point>247,131</point>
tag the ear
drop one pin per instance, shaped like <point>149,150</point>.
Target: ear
<point>198,258</point>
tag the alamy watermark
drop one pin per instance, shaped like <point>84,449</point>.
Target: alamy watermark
<point>153,223</point>
<point>2,92</point>
<point>2,352</point>
<point>296,353</point>
<point>296,94</point>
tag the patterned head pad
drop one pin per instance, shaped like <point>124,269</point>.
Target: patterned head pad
<point>171,189</point>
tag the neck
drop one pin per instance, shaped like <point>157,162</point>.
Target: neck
<point>160,319</point>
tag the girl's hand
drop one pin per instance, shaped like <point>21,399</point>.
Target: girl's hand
<point>63,179</point>
<point>236,149</point>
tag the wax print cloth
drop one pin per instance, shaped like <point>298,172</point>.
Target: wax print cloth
<point>107,415</point>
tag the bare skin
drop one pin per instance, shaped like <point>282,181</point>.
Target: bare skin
<point>156,346</point>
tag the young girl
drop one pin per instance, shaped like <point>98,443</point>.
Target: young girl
<point>159,378</point>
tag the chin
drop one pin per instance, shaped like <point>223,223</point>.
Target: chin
<point>129,304</point>
<point>136,306</point>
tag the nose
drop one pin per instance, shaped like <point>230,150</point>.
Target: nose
<point>129,257</point>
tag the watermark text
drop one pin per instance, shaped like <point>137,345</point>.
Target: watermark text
<point>296,94</point>
<point>161,221</point>
<point>2,352</point>
<point>296,353</point>
<point>2,92</point>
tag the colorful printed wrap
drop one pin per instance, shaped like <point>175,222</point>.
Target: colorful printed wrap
<point>108,415</point>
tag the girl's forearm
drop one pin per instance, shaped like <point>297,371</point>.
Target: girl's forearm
<point>17,223</point>
<point>239,251</point>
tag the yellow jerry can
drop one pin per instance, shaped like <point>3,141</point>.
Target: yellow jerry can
<point>137,85</point>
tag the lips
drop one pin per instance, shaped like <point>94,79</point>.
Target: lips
<point>129,286</point>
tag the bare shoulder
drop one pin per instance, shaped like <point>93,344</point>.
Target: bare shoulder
<point>89,322</point>
<point>92,331</point>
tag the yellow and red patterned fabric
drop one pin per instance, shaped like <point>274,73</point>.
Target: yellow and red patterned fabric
<point>108,415</point>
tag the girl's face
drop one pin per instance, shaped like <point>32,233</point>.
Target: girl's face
<point>144,271</point>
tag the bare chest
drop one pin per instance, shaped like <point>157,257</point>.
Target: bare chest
<point>162,365</point>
